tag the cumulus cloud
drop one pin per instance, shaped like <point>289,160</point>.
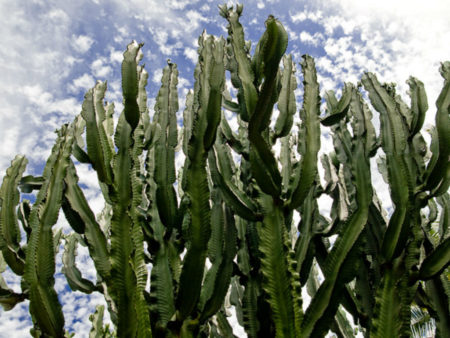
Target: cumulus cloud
<point>191,54</point>
<point>82,82</point>
<point>82,43</point>
<point>100,69</point>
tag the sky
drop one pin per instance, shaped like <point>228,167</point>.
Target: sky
<point>53,51</point>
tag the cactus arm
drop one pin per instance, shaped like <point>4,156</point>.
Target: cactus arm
<point>287,161</point>
<point>419,104</point>
<point>437,291</point>
<point>82,220</point>
<point>444,223</point>
<point>438,175</point>
<point>97,329</point>
<point>188,117</point>
<point>138,217</point>
<point>78,144</point>
<point>344,243</point>
<point>40,261</point>
<point>263,164</point>
<point>130,83</point>
<point>232,139</point>
<point>165,114</point>
<point>98,148</point>
<point>385,318</point>
<point>286,100</point>
<point>337,110</point>
<point>305,227</point>
<point>164,273</point>
<point>9,227</point>
<point>229,104</point>
<point>244,70</point>
<point>70,270</point>
<point>29,183</point>
<point>197,189</point>
<point>275,262</point>
<point>394,136</point>
<point>23,214</point>
<point>241,204</point>
<point>346,295</point>
<point>80,154</point>
<point>8,298</point>
<point>162,304</point>
<point>162,288</point>
<point>307,171</point>
<point>250,307</point>
<point>97,322</point>
<point>140,268</point>
<point>123,277</point>
<point>225,329</point>
<point>216,86</point>
<point>275,44</point>
<point>339,325</point>
<point>436,261</point>
<point>225,250</point>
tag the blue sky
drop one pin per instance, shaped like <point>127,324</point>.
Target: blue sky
<point>53,51</point>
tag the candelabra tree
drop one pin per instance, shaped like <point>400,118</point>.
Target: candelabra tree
<point>221,232</point>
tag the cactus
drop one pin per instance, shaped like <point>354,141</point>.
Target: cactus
<point>239,215</point>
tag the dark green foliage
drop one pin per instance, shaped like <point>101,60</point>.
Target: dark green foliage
<point>230,235</point>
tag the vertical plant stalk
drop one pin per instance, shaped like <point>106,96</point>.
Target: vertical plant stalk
<point>210,78</point>
<point>45,308</point>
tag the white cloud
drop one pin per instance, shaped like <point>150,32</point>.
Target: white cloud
<point>82,43</point>
<point>58,16</point>
<point>191,54</point>
<point>314,39</point>
<point>116,56</point>
<point>157,74</point>
<point>177,4</point>
<point>100,70</point>
<point>84,82</point>
<point>205,8</point>
<point>314,16</point>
